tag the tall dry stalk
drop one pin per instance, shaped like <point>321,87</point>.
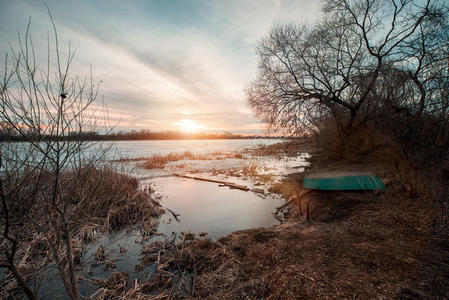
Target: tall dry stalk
<point>50,109</point>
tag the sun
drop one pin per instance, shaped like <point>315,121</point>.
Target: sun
<point>187,125</point>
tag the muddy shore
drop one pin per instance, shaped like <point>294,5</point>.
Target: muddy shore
<point>357,245</point>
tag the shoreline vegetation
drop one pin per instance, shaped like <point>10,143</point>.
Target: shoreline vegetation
<point>9,135</point>
<point>326,256</point>
<point>341,81</point>
<point>354,245</point>
<point>101,201</point>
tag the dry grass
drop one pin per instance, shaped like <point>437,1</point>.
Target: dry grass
<point>357,246</point>
<point>114,200</point>
<point>101,200</point>
<point>251,170</point>
<point>369,249</point>
<point>293,147</point>
<point>158,161</point>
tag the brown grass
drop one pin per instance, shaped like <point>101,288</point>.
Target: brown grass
<point>101,200</point>
<point>358,245</point>
<point>158,161</point>
<point>359,249</point>
<point>250,169</point>
<point>115,200</point>
<point>292,147</point>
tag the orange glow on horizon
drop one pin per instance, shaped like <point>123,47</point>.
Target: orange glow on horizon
<point>190,126</point>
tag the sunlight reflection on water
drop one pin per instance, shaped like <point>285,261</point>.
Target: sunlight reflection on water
<point>202,206</point>
<point>206,207</point>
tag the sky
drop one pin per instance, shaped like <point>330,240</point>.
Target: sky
<point>163,64</point>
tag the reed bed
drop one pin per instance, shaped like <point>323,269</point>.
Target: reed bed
<point>101,200</point>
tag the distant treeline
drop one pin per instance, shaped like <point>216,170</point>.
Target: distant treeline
<point>130,135</point>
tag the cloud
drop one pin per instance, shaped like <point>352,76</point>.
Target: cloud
<point>159,60</point>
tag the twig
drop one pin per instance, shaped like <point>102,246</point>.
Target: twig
<point>175,215</point>
<point>305,276</point>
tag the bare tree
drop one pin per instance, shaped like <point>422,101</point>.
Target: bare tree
<point>47,107</point>
<point>337,68</point>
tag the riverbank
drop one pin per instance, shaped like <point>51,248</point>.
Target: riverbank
<point>99,201</point>
<point>357,245</point>
<point>115,213</point>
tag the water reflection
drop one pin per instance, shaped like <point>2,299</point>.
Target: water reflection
<point>206,207</point>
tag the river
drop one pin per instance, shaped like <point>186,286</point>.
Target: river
<point>203,207</point>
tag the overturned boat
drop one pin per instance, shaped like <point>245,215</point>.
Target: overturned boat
<point>343,181</point>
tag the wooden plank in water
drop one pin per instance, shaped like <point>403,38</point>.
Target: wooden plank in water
<point>229,184</point>
<point>257,190</point>
<point>203,179</point>
<point>238,186</point>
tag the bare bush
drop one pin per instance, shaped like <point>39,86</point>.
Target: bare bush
<point>363,58</point>
<point>43,185</point>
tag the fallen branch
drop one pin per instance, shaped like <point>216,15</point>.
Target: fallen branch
<point>305,276</point>
<point>226,183</point>
<point>257,190</point>
<point>175,215</point>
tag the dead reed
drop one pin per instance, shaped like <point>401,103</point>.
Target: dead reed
<point>158,161</point>
<point>101,200</point>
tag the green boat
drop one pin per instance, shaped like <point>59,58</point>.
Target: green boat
<point>343,181</point>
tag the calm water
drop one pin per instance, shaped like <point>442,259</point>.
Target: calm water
<point>206,207</point>
<point>202,206</point>
<point>134,149</point>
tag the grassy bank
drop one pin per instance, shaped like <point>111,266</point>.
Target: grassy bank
<point>357,245</point>
<point>101,201</point>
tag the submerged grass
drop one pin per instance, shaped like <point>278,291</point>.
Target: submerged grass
<point>101,200</point>
<point>357,245</point>
<point>158,161</point>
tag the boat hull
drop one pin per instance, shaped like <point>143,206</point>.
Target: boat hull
<point>345,183</point>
